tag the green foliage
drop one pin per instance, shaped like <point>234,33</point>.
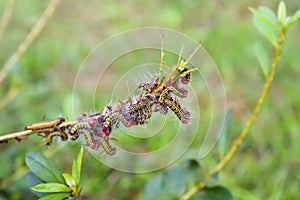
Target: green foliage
<point>43,168</point>
<point>55,196</point>
<point>263,58</point>
<point>51,187</point>
<point>272,28</point>
<point>266,22</point>
<point>213,193</point>
<point>172,183</point>
<point>76,168</point>
<point>48,181</point>
<point>223,139</point>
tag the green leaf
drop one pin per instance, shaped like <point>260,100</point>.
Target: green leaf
<point>267,16</point>
<point>213,193</point>
<point>174,182</point>
<point>266,22</point>
<point>41,167</point>
<point>56,196</point>
<point>192,171</point>
<point>222,142</point>
<point>33,180</point>
<point>70,181</point>
<point>263,58</point>
<point>153,187</point>
<point>51,187</point>
<point>76,168</point>
<point>167,186</point>
<point>289,21</point>
<point>281,13</point>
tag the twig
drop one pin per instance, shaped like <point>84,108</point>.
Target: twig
<point>35,31</point>
<point>236,143</point>
<point>254,115</point>
<point>192,191</point>
<point>16,135</point>
<point>6,16</point>
<point>24,134</point>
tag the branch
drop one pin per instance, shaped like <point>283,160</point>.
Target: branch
<point>236,143</point>
<point>24,134</point>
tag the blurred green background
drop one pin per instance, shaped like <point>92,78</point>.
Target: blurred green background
<point>266,167</point>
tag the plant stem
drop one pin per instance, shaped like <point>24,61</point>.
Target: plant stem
<point>24,134</point>
<point>262,98</point>
<point>236,143</point>
<point>21,134</point>
<point>192,191</point>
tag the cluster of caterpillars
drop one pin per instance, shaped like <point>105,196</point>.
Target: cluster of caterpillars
<point>158,95</point>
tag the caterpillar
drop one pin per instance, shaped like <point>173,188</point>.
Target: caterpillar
<point>45,125</point>
<point>146,89</point>
<point>89,138</point>
<point>106,146</point>
<point>50,136</point>
<point>88,132</point>
<point>157,95</point>
<point>175,108</point>
<point>149,108</point>
<point>115,116</point>
<point>141,111</point>
<point>76,127</point>
<point>172,89</point>
<point>137,107</point>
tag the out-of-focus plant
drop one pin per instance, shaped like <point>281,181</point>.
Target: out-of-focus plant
<point>207,185</point>
<point>49,182</point>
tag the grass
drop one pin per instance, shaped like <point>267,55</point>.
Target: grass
<point>267,165</point>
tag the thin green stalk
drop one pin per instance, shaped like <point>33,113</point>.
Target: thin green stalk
<point>236,143</point>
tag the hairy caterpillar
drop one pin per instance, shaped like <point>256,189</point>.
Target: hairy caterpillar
<point>175,108</point>
<point>76,127</point>
<point>116,116</point>
<point>106,146</point>
<point>50,136</point>
<point>146,89</point>
<point>45,125</point>
<point>89,137</point>
<point>141,111</point>
<point>87,129</point>
<point>157,95</point>
<point>138,106</point>
<point>165,92</point>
